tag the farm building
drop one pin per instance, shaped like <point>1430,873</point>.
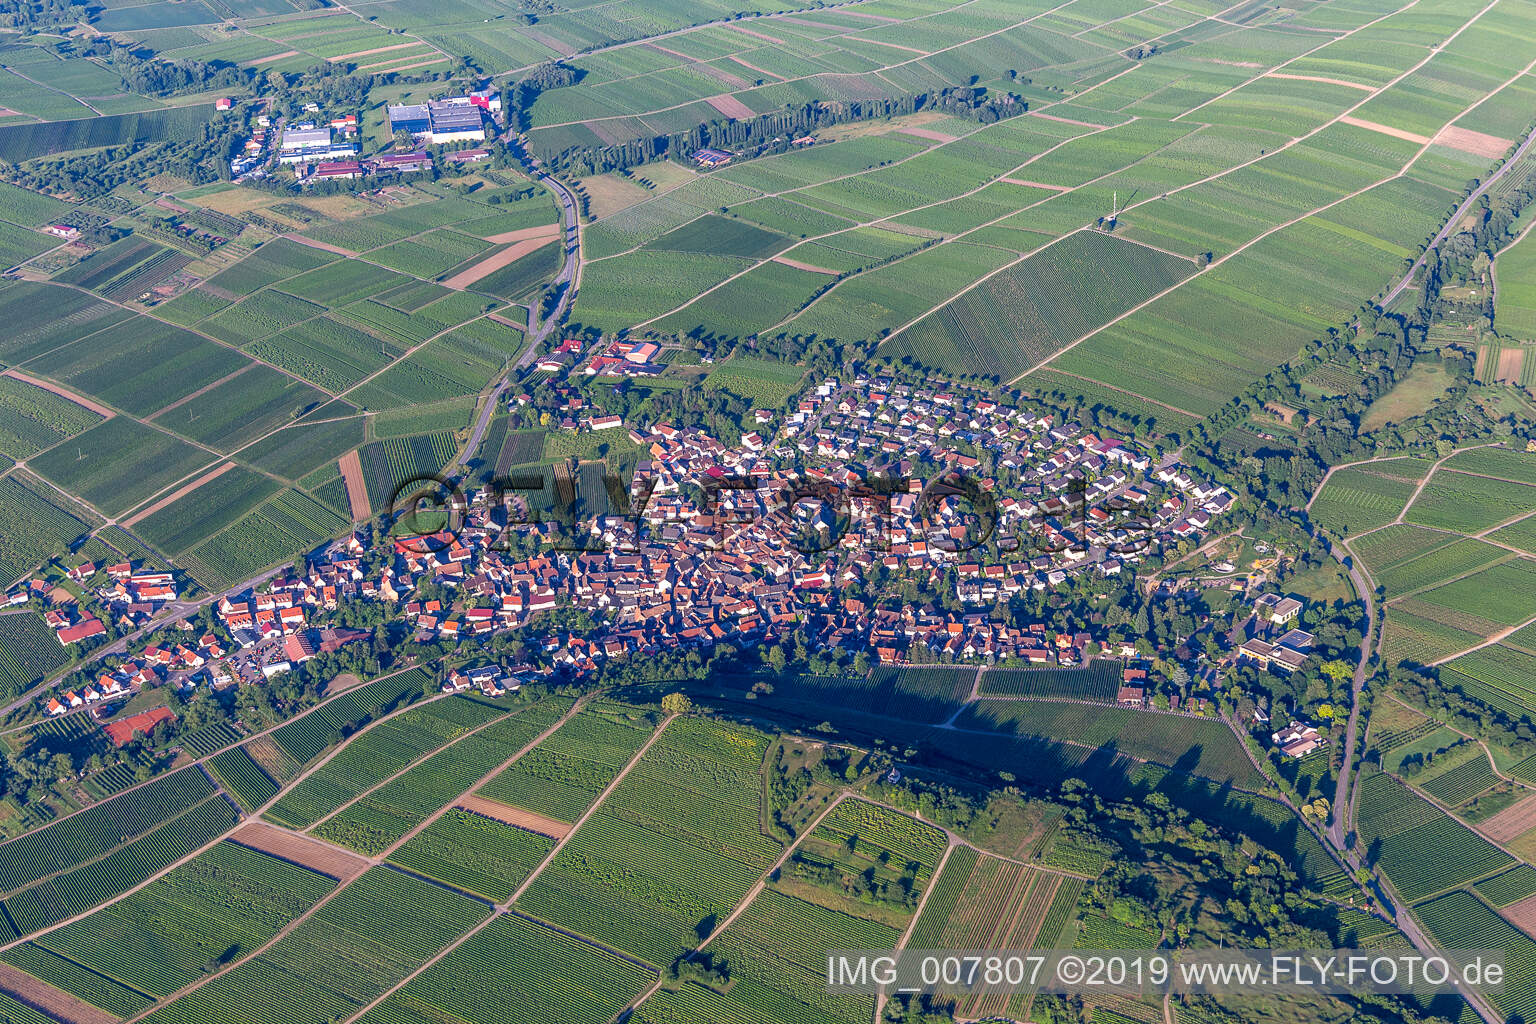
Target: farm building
<point>344,170</point>
<point>402,162</point>
<point>711,157</point>
<point>84,631</point>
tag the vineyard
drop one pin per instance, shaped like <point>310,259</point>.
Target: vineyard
<point>983,902</point>
<point>29,652</point>
<point>777,953</point>
<point>1512,886</point>
<point>32,528</point>
<point>225,903</point>
<point>209,738</point>
<point>99,828</point>
<point>1497,675</point>
<point>1458,921</point>
<point>286,524</point>
<point>674,847</point>
<point>384,816</point>
<point>32,419</point>
<point>1099,680</point>
<point>561,776</point>
<point>1203,746</point>
<point>928,693</point>
<point>377,930</point>
<point>1462,782</point>
<point>377,754</point>
<point>481,856</point>
<point>515,971</point>
<point>243,778</point>
<point>72,892</point>
<point>1421,848</point>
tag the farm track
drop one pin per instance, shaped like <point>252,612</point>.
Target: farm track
<point>1037,112</point>
<point>221,836</point>
<point>372,861</point>
<point>506,905</point>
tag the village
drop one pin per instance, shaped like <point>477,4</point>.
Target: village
<point>806,539</point>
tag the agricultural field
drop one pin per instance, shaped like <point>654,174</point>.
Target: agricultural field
<point>1422,849</point>
<point>1097,681</point>
<point>386,814</point>
<point>223,904</point>
<point>365,940</point>
<point>774,947</point>
<point>482,856</point>
<point>388,748</point>
<point>1460,921</point>
<point>1448,589</point>
<point>1202,746</point>
<point>28,652</point>
<point>32,419</point>
<point>35,525</point>
<point>1026,313</point>
<point>511,972</point>
<point>563,775</point>
<point>1132,210</point>
<point>682,830</point>
<point>1364,497</point>
<point>929,693</point>
<point>1514,304</point>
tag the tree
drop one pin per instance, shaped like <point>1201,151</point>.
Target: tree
<point>1337,670</point>
<point>676,704</point>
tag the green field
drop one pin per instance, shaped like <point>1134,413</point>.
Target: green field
<point>1514,305</point>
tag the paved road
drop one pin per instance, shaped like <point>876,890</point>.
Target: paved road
<point>1341,797</point>
<point>173,612</point>
<point>551,323</point>
<point>1455,218</point>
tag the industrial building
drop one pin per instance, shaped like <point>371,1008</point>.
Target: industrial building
<point>307,143</point>
<point>452,120</point>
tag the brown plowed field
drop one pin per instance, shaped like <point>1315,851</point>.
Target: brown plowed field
<point>59,1005</point>
<point>516,816</point>
<point>311,853</point>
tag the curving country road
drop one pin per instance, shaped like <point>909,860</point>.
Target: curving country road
<point>551,323</point>
<point>1455,218</point>
<point>1342,811</point>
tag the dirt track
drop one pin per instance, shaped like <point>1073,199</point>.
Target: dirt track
<point>53,388</point>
